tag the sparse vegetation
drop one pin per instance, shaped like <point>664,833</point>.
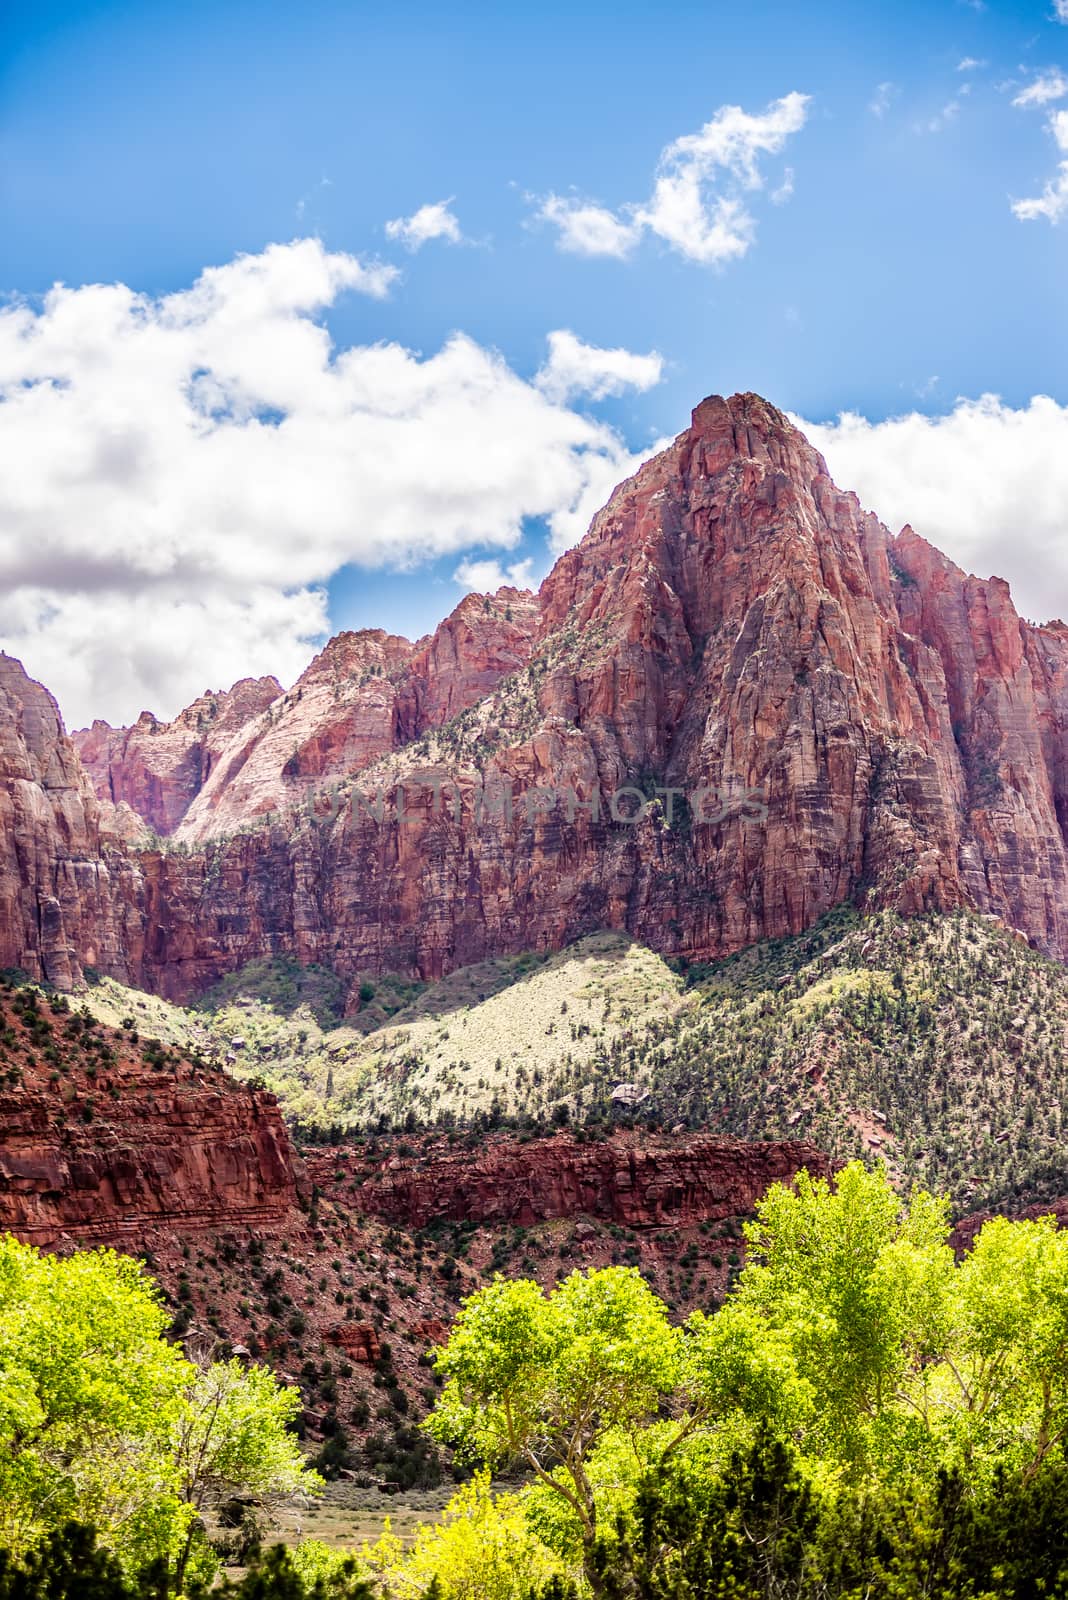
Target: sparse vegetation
<point>938,1043</point>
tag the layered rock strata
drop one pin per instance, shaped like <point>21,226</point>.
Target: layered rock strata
<point>803,709</point>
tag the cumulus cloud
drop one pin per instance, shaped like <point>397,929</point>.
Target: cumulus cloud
<point>698,205</point>
<point>585,229</point>
<point>1047,87</point>
<point>577,368</point>
<point>183,474</point>
<point>1052,203</point>
<point>432,221</point>
<point>487,575</point>
<point>985,483</point>
<point>1060,10</point>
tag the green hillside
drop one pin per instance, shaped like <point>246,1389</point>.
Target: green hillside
<point>936,1043</point>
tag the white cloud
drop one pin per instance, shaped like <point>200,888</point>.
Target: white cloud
<point>588,230</point>
<point>576,368</point>
<point>882,99</point>
<point>985,483</point>
<point>182,475</point>
<point>972,64</point>
<point>1060,10</point>
<point>942,119</point>
<point>1048,86</point>
<point>487,576</point>
<point>1052,203</point>
<point>708,225</point>
<point>432,221</point>
<point>785,190</point>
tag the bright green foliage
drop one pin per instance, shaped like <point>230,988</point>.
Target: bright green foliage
<point>102,1421</point>
<point>1011,1376</point>
<point>910,1360</point>
<point>541,1379</point>
<point>860,1288</point>
<point>482,1549</point>
<point>738,1367</point>
<point>88,1387</point>
<point>232,1432</point>
<point>317,1563</point>
<point>858,1376</point>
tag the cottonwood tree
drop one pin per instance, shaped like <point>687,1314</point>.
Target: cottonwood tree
<point>543,1379</point>
<point>853,1336</point>
<point>105,1423</point>
<point>232,1435</point>
<point>86,1381</point>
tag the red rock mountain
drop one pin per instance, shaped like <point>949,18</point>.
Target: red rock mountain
<point>230,759</point>
<point>157,768</point>
<point>879,727</point>
<point>71,894</point>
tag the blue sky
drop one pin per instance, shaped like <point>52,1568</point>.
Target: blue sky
<point>884,270</point>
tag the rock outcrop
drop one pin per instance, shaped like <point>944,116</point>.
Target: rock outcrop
<point>359,1341</point>
<point>232,759</point>
<point>71,892</point>
<point>645,1182</point>
<point>159,768</point>
<point>830,713</point>
<point>967,1229</point>
<point>101,1139</point>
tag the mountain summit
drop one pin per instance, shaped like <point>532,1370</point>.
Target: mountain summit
<point>800,708</point>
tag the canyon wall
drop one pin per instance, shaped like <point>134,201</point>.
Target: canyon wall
<point>159,768</point>
<point>841,715</point>
<point>651,1182</point>
<point>99,1142</point>
<point>72,893</point>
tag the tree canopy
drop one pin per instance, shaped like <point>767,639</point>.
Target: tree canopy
<point>103,1422</point>
<point>854,1344</point>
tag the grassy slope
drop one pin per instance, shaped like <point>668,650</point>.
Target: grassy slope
<point>486,1034</point>
<point>938,1043</point>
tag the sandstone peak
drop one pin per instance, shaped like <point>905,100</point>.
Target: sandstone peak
<point>157,768</point>
<point>732,624</point>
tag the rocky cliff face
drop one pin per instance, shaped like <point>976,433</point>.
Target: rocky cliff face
<point>236,758</point>
<point>364,696</point>
<point>843,713</point>
<point>638,1183</point>
<point>101,1139</point>
<point>71,893</point>
<point>159,768</point>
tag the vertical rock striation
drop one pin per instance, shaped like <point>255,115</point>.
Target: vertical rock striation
<point>830,713</point>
